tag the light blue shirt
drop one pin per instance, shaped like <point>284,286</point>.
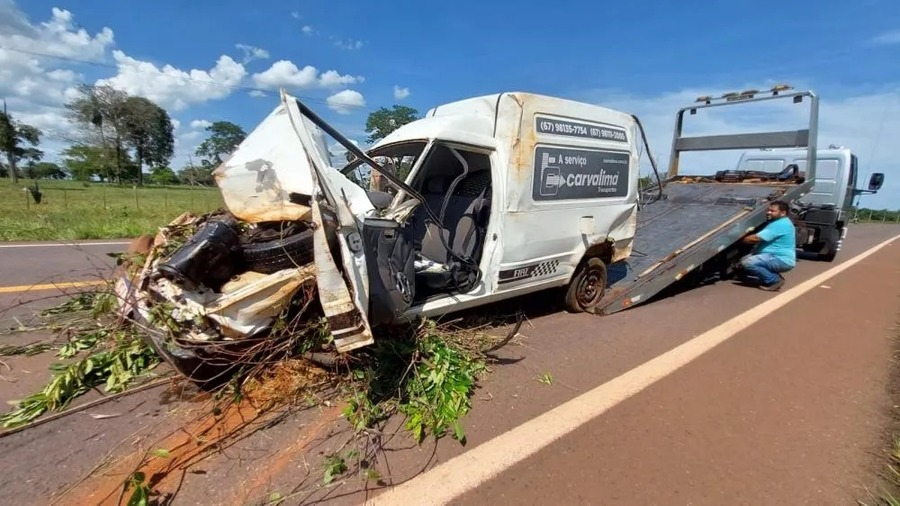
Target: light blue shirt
<point>778,239</point>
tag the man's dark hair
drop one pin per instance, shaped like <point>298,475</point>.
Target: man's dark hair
<point>781,205</point>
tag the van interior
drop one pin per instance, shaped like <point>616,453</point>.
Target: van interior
<point>455,183</point>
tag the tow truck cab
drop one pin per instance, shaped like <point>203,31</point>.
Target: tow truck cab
<point>821,216</point>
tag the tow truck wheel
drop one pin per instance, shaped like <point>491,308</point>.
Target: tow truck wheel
<point>587,287</point>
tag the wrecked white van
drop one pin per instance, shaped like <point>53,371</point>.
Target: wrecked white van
<point>506,194</point>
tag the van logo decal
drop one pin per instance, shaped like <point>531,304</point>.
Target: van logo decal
<point>540,270</point>
<point>581,129</point>
<point>576,173</point>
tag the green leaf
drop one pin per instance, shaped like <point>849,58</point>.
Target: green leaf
<point>161,452</point>
<point>458,431</point>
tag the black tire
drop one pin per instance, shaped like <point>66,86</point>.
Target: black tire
<point>828,257</point>
<point>828,252</point>
<point>272,256</point>
<point>587,287</point>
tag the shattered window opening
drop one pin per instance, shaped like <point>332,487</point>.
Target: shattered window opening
<point>398,158</point>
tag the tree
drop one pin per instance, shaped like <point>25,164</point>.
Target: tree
<point>100,113</point>
<point>197,175</point>
<point>84,162</point>
<point>223,140</point>
<point>14,138</point>
<point>382,122</point>
<point>45,170</point>
<point>148,129</point>
<point>163,176</point>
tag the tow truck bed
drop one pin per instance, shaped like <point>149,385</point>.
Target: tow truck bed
<point>692,223</point>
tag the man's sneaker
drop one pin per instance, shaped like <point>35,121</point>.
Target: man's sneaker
<point>774,287</point>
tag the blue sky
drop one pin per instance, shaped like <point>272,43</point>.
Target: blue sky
<point>648,58</point>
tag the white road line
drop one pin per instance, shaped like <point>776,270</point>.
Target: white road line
<point>478,465</point>
<point>64,244</point>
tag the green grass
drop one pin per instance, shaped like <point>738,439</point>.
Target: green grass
<point>72,210</point>
<point>886,491</point>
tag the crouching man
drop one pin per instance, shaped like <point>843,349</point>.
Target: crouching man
<point>775,248</point>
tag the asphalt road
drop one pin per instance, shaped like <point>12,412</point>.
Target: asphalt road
<point>34,275</point>
<point>770,404</point>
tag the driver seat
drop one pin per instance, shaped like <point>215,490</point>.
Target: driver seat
<point>464,224</point>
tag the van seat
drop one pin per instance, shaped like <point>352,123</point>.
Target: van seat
<point>463,228</point>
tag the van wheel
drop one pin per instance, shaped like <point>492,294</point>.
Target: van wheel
<point>587,287</point>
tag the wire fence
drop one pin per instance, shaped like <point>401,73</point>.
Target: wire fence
<point>875,216</point>
<point>55,211</point>
<point>105,197</point>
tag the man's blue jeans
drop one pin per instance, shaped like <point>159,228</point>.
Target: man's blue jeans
<point>765,266</point>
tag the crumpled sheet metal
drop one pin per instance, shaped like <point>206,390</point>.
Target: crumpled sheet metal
<point>247,305</point>
<point>269,176</point>
<point>268,166</point>
<point>251,303</point>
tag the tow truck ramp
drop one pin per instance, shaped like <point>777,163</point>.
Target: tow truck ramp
<point>695,218</point>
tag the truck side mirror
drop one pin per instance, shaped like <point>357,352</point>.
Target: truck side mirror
<point>876,181</point>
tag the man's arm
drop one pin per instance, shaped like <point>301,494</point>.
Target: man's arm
<point>767,234</point>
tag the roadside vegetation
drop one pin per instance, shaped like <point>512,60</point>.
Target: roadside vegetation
<point>73,210</point>
<point>887,491</point>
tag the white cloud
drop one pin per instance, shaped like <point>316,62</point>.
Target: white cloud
<point>349,44</point>
<point>35,78</point>
<point>863,122</point>
<point>192,135</point>
<point>174,88</point>
<point>887,38</point>
<point>252,53</point>
<point>308,30</point>
<point>286,74</point>
<point>295,15</point>
<point>200,124</point>
<point>333,79</point>
<point>26,68</point>
<point>175,124</point>
<point>345,102</point>
<point>257,93</point>
<point>58,36</point>
<point>400,93</point>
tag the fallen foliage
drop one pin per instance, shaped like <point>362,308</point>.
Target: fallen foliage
<point>94,349</point>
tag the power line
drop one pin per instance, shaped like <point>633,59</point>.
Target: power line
<point>236,87</point>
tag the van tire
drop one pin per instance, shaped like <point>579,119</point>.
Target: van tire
<point>272,256</point>
<point>587,287</point>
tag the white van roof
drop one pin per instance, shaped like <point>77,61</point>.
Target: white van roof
<point>472,120</point>
<point>467,129</point>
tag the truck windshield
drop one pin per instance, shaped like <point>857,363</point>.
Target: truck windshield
<point>397,158</point>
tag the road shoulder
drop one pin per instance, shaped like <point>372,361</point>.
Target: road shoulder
<point>790,410</point>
